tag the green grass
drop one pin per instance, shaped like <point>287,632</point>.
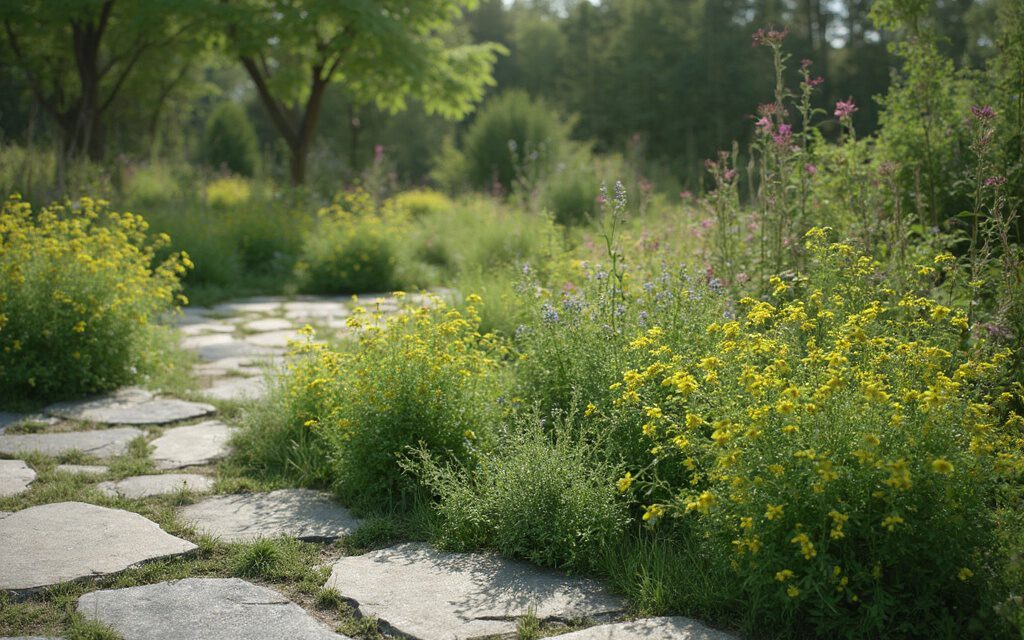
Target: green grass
<point>659,574</point>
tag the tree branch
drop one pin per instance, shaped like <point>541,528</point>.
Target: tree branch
<point>274,107</point>
<point>37,89</point>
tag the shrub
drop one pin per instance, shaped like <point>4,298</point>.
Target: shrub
<point>513,139</point>
<point>424,378</point>
<point>78,294</point>
<point>420,203</point>
<point>546,498</point>
<point>351,249</point>
<point>843,446</point>
<point>481,234</point>
<point>150,184</point>
<point>230,140</point>
<point>570,194</point>
<point>226,193</point>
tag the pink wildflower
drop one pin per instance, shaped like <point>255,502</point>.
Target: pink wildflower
<point>845,109</point>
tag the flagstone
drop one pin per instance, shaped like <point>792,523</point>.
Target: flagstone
<point>53,543</point>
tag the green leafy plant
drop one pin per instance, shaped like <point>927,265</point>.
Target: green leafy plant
<point>544,494</point>
<point>79,296</point>
<point>351,249</point>
<point>230,140</point>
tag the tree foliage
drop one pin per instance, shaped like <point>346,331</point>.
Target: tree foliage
<point>383,52</point>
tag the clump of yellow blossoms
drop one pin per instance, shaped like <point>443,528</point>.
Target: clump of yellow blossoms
<point>840,441</point>
<point>79,289</point>
<point>424,378</point>
<point>352,248</point>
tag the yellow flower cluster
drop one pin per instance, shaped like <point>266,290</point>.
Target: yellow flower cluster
<point>828,427</point>
<point>78,291</point>
<point>421,377</point>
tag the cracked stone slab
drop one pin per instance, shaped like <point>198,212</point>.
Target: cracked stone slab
<point>237,388</point>
<point>83,469</point>
<point>156,485</point>
<point>102,443</point>
<point>131,406</point>
<point>63,541</point>
<point>675,628</point>
<point>195,444</point>
<point>297,513</point>
<point>202,609</point>
<point>268,324</point>
<point>15,477</point>
<point>427,594</point>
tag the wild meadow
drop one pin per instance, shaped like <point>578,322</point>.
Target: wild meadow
<point>779,389</point>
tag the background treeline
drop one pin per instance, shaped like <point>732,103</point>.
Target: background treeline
<point>665,83</point>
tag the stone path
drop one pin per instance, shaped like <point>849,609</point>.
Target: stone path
<point>428,594</point>
<point>102,443</point>
<point>131,406</point>
<point>54,543</point>
<point>156,485</point>
<point>15,477</point>
<point>413,590</point>
<point>296,513</point>
<point>191,445</point>
<point>202,608</point>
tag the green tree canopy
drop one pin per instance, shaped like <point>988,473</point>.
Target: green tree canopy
<point>384,52</point>
<point>76,56</point>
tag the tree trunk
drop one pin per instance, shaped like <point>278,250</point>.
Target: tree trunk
<point>297,164</point>
<point>299,137</point>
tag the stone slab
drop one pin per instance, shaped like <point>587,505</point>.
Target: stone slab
<point>247,366</point>
<point>54,543</point>
<point>202,609</point>
<point>197,342</point>
<point>83,469</point>
<point>156,485</point>
<point>235,349</point>
<point>279,339</point>
<point>191,445</point>
<point>9,419</point>
<point>257,305</point>
<point>15,477</point>
<point>201,328</point>
<point>237,388</point>
<point>131,406</point>
<point>268,324</point>
<point>316,311</point>
<point>427,594</point>
<point>296,513</point>
<point>675,628</point>
<point>102,443</point>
